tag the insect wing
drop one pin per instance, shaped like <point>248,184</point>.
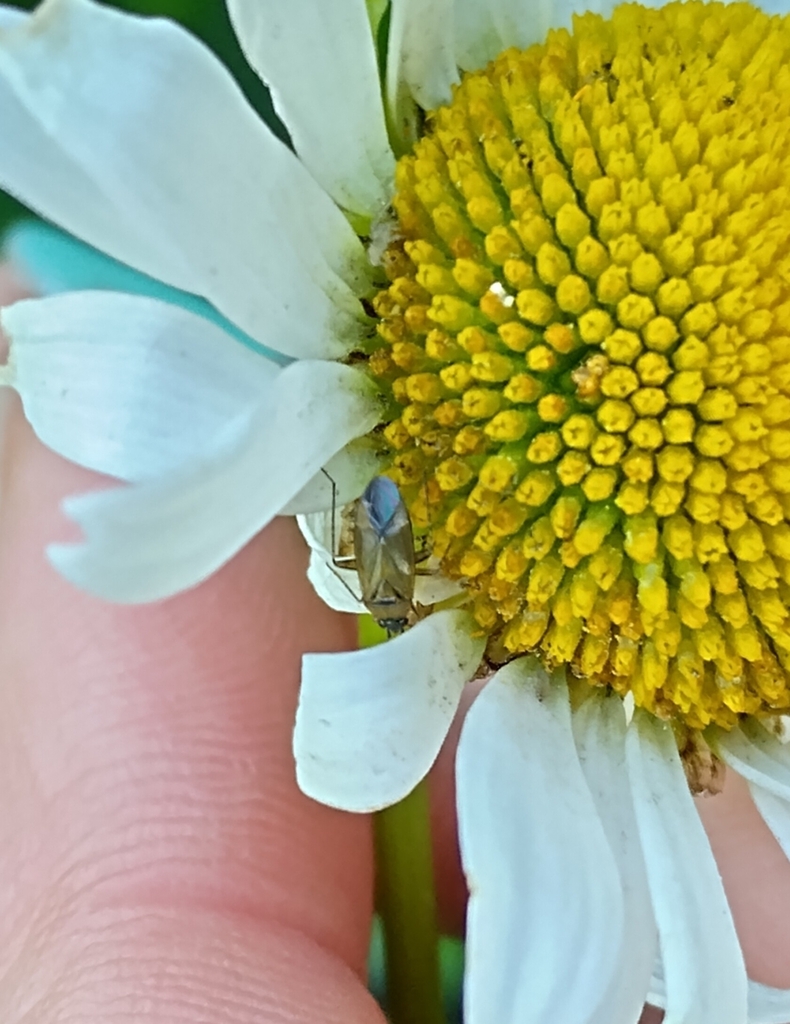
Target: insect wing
<point>384,551</point>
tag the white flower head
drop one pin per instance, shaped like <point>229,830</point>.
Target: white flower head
<point>559,323</point>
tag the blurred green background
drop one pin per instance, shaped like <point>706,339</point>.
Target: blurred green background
<point>207,19</point>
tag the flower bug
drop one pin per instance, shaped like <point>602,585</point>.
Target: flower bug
<point>384,555</point>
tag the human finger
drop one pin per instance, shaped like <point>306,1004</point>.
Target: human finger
<point>165,866</point>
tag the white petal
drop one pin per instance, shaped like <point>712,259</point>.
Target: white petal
<point>772,7</point>
<point>523,22</point>
<point>130,134</point>
<point>155,539</point>
<point>370,723</point>
<point>320,532</point>
<point>420,59</point>
<point>599,727</point>
<point>657,994</point>
<point>127,385</point>
<point>477,39</point>
<point>484,28</point>
<point>336,586</point>
<point>54,262</point>
<point>320,63</point>
<point>703,963</point>
<point>545,917</point>
<point>560,11</point>
<point>767,1005</point>
<point>11,16</point>
<point>350,470</point>
<point>756,755</point>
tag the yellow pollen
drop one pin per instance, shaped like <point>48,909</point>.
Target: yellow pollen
<point>585,347</point>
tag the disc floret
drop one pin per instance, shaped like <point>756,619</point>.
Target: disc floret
<point>587,339</point>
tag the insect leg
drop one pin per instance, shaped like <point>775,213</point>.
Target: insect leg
<point>336,557</point>
<point>334,511</point>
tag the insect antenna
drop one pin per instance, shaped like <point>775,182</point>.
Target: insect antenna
<point>334,549</point>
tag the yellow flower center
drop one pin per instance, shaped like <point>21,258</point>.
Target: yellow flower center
<point>587,341</point>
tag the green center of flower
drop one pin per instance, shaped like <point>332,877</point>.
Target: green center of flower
<point>587,341</point>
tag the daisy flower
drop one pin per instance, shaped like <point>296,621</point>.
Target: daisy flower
<point>560,322</point>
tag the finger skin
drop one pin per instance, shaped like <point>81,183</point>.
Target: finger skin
<point>12,285</point>
<point>12,288</point>
<point>162,864</point>
<point>451,890</point>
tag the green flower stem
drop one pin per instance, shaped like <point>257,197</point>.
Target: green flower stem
<point>407,905</point>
